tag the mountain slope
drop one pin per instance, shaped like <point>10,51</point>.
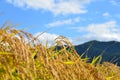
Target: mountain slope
<point>109,50</point>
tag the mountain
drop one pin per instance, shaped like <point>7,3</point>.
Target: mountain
<point>110,50</point>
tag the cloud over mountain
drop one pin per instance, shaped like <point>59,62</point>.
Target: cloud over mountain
<point>99,31</point>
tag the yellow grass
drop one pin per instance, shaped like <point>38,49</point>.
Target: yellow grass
<point>23,57</point>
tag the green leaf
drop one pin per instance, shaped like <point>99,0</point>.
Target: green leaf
<point>33,55</point>
<point>97,60</point>
<point>1,52</point>
<point>69,62</point>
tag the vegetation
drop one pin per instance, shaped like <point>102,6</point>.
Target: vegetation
<point>109,50</point>
<point>23,57</point>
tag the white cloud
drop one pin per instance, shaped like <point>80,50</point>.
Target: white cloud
<point>104,32</point>
<point>106,14</point>
<point>46,37</point>
<point>55,6</point>
<point>115,2</point>
<point>63,22</point>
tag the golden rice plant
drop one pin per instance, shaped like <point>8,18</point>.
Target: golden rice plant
<point>23,57</point>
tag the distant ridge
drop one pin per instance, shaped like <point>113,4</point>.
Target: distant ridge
<point>110,50</point>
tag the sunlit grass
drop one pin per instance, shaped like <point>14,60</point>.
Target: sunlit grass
<point>23,57</point>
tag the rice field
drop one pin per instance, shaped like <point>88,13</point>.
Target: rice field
<point>23,57</point>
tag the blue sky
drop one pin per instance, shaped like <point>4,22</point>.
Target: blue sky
<point>78,20</point>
